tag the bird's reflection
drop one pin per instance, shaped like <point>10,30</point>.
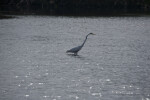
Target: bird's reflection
<point>76,56</point>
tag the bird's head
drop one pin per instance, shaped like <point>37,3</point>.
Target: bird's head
<point>91,34</point>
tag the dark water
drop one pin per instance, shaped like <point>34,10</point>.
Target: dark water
<point>113,65</point>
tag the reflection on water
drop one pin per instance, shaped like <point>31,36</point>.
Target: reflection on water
<point>113,65</point>
<point>76,56</point>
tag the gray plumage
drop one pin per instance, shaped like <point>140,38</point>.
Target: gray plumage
<point>75,50</point>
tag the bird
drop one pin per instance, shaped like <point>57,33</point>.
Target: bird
<point>75,50</point>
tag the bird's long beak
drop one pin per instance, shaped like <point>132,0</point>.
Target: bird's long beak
<point>93,34</point>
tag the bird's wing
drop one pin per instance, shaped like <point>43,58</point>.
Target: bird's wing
<point>75,49</point>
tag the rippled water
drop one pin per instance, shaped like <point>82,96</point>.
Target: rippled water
<point>113,64</point>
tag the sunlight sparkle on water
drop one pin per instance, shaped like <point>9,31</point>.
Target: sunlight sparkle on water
<point>45,96</point>
<point>97,94</point>
<point>40,83</point>
<point>26,95</point>
<point>73,96</point>
<point>30,84</point>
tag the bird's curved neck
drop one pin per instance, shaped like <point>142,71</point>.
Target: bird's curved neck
<point>85,40</point>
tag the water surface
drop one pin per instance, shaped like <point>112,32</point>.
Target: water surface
<point>113,64</point>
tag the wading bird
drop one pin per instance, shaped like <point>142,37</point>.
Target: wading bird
<point>75,50</point>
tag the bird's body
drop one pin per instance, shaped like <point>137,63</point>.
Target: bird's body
<point>75,50</point>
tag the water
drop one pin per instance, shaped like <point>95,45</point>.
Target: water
<point>113,64</point>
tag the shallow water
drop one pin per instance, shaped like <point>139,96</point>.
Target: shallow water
<point>113,64</point>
